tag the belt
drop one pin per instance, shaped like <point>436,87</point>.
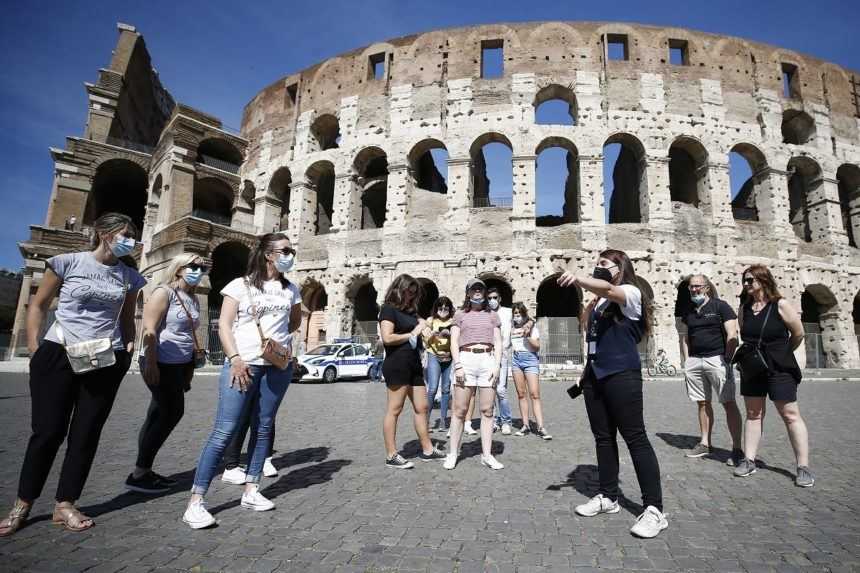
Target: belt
<point>476,350</point>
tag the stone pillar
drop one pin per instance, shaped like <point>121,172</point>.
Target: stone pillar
<point>181,183</point>
<point>665,332</point>
<point>839,340</point>
<point>398,197</point>
<point>267,213</point>
<point>719,189</point>
<point>339,312</point>
<point>18,343</point>
<point>592,211</point>
<point>825,214</point>
<point>772,204</point>
<point>657,202</point>
<point>459,192</point>
<point>347,203</point>
<point>303,210</point>
<point>523,201</point>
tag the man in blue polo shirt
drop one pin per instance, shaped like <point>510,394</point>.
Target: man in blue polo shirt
<point>708,345</point>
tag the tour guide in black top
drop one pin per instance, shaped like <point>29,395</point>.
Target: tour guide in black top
<point>612,386</point>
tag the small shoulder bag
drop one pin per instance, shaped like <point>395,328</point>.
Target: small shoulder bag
<point>199,353</point>
<point>271,350</point>
<point>750,357</point>
<point>96,353</point>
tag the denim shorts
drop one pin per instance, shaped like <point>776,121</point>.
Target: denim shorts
<point>527,362</point>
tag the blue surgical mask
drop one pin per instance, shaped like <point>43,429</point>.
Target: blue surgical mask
<point>476,299</point>
<point>285,263</point>
<point>698,299</point>
<point>193,277</point>
<point>494,303</point>
<point>122,246</point>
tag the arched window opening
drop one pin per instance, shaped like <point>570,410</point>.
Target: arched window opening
<point>326,132</point>
<point>747,175</point>
<point>506,292</point>
<point>492,171</point>
<point>220,154</point>
<point>804,179</point>
<point>688,171</point>
<point>119,186</point>
<point>371,165</point>
<point>557,183</point>
<point>625,184</point>
<point>213,200</point>
<point>558,311</point>
<point>279,188</point>
<point>818,315</point>
<point>555,105</point>
<point>229,261</point>
<point>365,313</point>
<point>314,303</point>
<point>428,163</point>
<point>429,294</point>
<point>320,178</point>
<point>798,127</point>
<point>848,177</point>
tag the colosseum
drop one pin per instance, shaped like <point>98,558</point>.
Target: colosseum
<point>374,163</point>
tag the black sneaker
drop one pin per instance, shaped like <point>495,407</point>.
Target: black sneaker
<point>542,434</point>
<point>169,482</point>
<point>432,456</point>
<point>735,457</point>
<point>146,483</point>
<point>397,462</point>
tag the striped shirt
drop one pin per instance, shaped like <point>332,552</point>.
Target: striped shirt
<point>476,327</point>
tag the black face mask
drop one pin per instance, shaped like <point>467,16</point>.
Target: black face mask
<point>602,273</point>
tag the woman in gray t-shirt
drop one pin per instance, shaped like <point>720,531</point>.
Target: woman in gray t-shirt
<point>97,294</point>
<point>170,317</point>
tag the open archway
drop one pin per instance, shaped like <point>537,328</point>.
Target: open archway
<point>492,171</point>
<point>320,177</point>
<point>848,178</point>
<point>804,180</point>
<point>558,314</point>
<point>818,313</point>
<point>688,171</point>
<point>625,184</point>
<point>279,189</point>
<point>371,166</point>
<point>556,183</point>
<point>314,303</point>
<point>555,105</point>
<point>748,174</point>
<point>798,127</point>
<point>119,186</point>
<point>220,154</point>
<point>506,292</point>
<point>428,164</point>
<point>212,200</point>
<point>229,261</point>
<point>365,311</point>
<point>325,131</point>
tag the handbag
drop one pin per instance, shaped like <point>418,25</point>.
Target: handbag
<point>271,350</point>
<point>750,357</point>
<point>199,353</point>
<point>94,354</point>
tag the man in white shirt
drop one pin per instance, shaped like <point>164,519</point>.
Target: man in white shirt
<point>503,410</point>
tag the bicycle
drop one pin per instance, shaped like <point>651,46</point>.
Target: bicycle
<point>661,366</point>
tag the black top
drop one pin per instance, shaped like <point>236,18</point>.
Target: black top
<point>402,354</point>
<point>774,338</point>
<point>705,328</point>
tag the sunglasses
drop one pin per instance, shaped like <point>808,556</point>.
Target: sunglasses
<point>748,281</point>
<point>195,267</point>
<point>696,287</point>
<point>493,297</point>
<point>286,251</point>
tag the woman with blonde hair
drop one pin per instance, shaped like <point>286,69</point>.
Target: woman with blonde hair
<point>171,317</point>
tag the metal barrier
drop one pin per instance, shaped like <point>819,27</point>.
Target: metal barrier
<point>815,357</point>
<point>218,163</point>
<point>487,202</point>
<point>216,353</point>
<point>217,218</point>
<point>561,341</point>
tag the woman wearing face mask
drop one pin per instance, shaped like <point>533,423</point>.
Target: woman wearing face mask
<point>97,294</point>
<point>476,347</point>
<point>616,320</point>
<point>437,342</point>
<point>170,319</point>
<point>400,329</point>
<point>261,304</point>
<point>525,366</point>
<point>768,320</point>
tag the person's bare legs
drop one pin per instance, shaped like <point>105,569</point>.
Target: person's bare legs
<point>473,405</point>
<point>487,398</point>
<point>534,393</point>
<point>418,396</point>
<point>706,421</point>
<point>522,395</point>
<point>396,398</point>
<point>733,420</point>
<point>755,406</point>
<point>462,396</point>
<point>797,432</point>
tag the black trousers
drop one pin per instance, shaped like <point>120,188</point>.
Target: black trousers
<point>234,448</point>
<point>66,404</point>
<point>614,404</point>
<point>166,408</point>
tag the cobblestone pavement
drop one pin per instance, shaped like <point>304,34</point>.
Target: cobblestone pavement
<point>340,509</point>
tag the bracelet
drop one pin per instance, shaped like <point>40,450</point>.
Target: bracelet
<point>232,356</point>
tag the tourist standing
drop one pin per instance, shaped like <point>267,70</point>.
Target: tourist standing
<point>707,349</point>
<point>171,317</point>
<point>76,371</point>
<point>525,344</point>
<point>259,313</point>
<point>503,418</point>
<point>476,347</point>
<point>616,320</point>
<point>437,343</point>
<point>401,329</point>
<point>768,323</point>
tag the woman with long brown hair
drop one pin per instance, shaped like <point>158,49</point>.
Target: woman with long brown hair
<point>768,322</point>
<point>400,329</point>
<point>616,321</point>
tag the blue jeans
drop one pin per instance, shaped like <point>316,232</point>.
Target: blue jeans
<point>266,390</point>
<point>504,408</point>
<point>435,372</point>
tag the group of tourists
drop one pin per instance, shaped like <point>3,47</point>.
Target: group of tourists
<point>464,351</point>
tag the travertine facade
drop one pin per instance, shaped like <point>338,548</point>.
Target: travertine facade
<point>337,156</point>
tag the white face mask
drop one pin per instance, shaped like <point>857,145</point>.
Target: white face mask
<point>494,303</point>
<point>284,263</point>
<point>518,320</point>
<point>443,314</point>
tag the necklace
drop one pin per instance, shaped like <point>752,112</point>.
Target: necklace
<point>758,306</point>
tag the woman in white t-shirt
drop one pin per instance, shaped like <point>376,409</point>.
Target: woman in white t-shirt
<point>525,367</point>
<point>263,295</point>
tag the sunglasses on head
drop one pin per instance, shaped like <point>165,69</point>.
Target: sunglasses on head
<point>196,267</point>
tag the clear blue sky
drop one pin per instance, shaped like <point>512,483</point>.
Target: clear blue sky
<point>216,55</point>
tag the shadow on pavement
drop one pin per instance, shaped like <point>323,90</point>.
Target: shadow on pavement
<point>688,442</point>
<point>586,480</point>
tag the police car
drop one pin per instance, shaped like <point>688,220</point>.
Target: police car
<point>328,362</point>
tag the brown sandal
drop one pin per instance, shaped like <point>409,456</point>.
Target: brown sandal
<point>71,518</point>
<point>15,519</point>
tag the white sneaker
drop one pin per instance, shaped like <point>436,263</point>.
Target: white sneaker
<point>197,517</point>
<point>448,433</point>
<point>597,504</point>
<point>650,523</point>
<point>506,429</point>
<point>467,428</point>
<point>256,501</point>
<point>450,462</point>
<point>236,476</point>
<point>492,463</point>
<point>269,470</point>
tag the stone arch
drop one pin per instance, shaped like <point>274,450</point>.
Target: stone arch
<point>803,182</point>
<point>120,186</point>
<point>820,317</point>
<point>745,204</point>
<point>482,193</point>
<point>229,261</point>
<point>429,294</point>
<point>314,304</point>
<point>362,296</point>
<point>555,94</point>
<point>549,39</point>
<point>848,180</point>
<point>688,171</point>
<point>556,301</point>
<point>798,127</point>
<point>628,202</point>
<point>424,166</point>
<point>279,189</point>
<point>558,314</point>
<point>556,150</point>
<point>219,153</point>
<point>320,178</point>
<point>326,132</point>
<point>371,168</point>
<point>501,282</point>
<point>213,200</point>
